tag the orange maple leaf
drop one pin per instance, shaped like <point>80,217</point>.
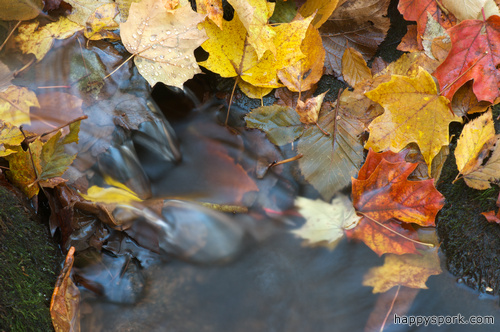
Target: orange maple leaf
<point>383,193</point>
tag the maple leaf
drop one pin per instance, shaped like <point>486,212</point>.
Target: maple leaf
<point>15,103</point>
<point>231,55</point>
<point>357,24</point>
<point>43,163</point>
<point>254,15</point>
<point>354,68</point>
<point>409,270</point>
<point>473,55</point>
<point>325,222</point>
<point>414,112</point>
<point>303,74</point>
<point>382,193</point>
<point>418,10</point>
<point>213,9</point>
<point>163,41</point>
<point>38,41</point>
<point>64,304</point>
<point>10,135</point>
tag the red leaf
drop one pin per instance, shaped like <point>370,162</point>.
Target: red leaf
<point>373,160</point>
<point>416,10</point>
<point>474,54</point>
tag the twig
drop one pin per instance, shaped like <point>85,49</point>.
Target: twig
<point>335,118</point>
<point>10,34</point>
<point>231,100</point>
<point>276,163</point>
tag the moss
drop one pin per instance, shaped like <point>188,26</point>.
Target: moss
<point>471,244</point>
<point>28,258</point>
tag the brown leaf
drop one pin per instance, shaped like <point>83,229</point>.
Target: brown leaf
<point>64,305</point>
<point>409,42</point>
<point>309,110</point>
<point>357,24</point>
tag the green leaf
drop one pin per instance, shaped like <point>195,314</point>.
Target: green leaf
<point>280,123</point>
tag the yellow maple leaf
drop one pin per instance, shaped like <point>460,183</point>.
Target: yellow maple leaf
<point>10,135</point>
<point>38,41</point>
<point>409,270</point>
<point>354,68</point>
<point>231,55</point>
<point>303,74</point>
<point>101,21</point>
<point>254,15</point>
<point>163,41</point>
<point>15,103</point>
<point>414,113</point>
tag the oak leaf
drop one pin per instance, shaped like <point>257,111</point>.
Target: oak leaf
<point>415,10</point>
<point>361,25</point>
<point>64,304</point>
<point>409,270</point>
<point>354,68</point>
<point>254,15</point>
<point>473,55</point>
<point>163,41</point>
<point>325,222</point>
<point>390,203</point>
<point>414,113</point>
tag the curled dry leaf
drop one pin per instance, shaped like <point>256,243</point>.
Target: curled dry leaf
<point>163,41</point>
<point>309,110</point>
<point>65,301</point>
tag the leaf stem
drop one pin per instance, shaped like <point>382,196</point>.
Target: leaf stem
<point>276,163</point>
<point>231,100</point>
<point>430,245</point>
<point>335,119</point>
<point>390,309</point>
<point>124,62</point>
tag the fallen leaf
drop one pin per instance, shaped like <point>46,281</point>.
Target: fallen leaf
<point>305,73</point>
<point>491,216</point>
<point>65,301</point>
<point>309,110</point>
<point>38,41</point>
<point>474,145</point>
<point>414,112</point>
<point>281,124</point>
<point>409,41</point>
<point>254,15</point>
<point>15,103</point>
<point>15,10</point>
<point>163,41</point>
<point>417,11</point>
<point>432,30</point>
<point>117,193</point>
<point>213,9</point>
<point>473,55</point>
<point>409,270</point>
<point>325,222</point>
<point>361,25</point>
<point>322,9</point>
<point>440,48</point>
<point>83,9</point>
<point>471,9</point>
<point>10,135</point>
<point>101,21</point>
<point>354,68</point>
<point>328,162</point>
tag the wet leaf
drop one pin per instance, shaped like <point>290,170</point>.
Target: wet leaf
<point>409,270</point>
<point>20,10</point>
<point>213,9</point>
<point>417,11</point>
<point>361,25</point>
<point>254,15</point>
<point>328,162</point>
<point>414,112</point>
<point>309,110</point>
<point>111,195</point>
<point>15,103</point>
<point>38,40</point>
<point>305,73</point>
<point>281,124</point>
<point>163,41</point>
<point>354,68</point>
<point>6,76</point>
<point>474,145</point>
<point>382,194</point>
<point>325,222</point>
<point>473,55</point>
<point>65,301</point>
<point>471,9</point>
<point>9,136</point>
<point>83,9</point>
<point>101,21</point>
